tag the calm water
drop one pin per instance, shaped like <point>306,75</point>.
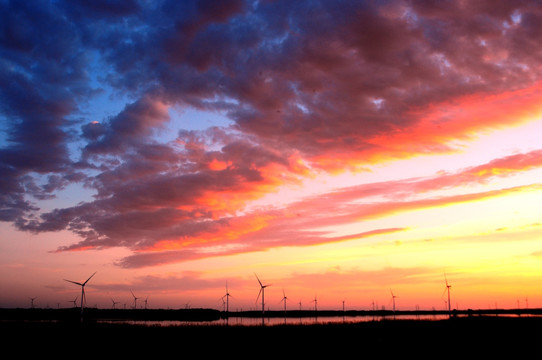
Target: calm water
<point>254,321</point>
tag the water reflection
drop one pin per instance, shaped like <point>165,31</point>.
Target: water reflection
<point>271,321</point>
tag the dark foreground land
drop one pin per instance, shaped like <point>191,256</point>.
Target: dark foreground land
<point>480,336</point>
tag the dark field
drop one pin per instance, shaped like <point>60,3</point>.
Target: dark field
<point>476,336</point>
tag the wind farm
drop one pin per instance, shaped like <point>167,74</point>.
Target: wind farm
<point>420,329</point>
<point>267,313</point>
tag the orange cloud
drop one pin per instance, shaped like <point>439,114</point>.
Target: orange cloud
<point>217,165</point>
<point>230,231</point>
<point>298,223</point>
<point>438,126</point>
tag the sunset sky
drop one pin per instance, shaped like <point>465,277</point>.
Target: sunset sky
<point>341,150</point>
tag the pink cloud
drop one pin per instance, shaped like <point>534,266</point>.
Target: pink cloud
<point>296,224</point>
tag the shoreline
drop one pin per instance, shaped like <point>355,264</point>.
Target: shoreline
<point>201,314</point>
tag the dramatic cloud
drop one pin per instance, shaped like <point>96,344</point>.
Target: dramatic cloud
<point>310,87</point>
<point>300,223</point>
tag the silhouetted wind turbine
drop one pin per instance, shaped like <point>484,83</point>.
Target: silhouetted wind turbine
<point>83,299</point>
<point>74,301</point>
<point>393,299</point>
<point>114,303</point>
<point>32,302</point>
<point>135,300</point>
<point>261,292</point>
<point>227,296</point>
<point>284,298</point>
<point>315,301</point>
<point>448,286</point>
<point>146,299</point>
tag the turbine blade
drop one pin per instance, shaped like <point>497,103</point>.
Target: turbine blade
<point>258,279</point>
<point>446,279</point>
<point>74,282</point>
<point>90,278</point>
<point>261,289</point>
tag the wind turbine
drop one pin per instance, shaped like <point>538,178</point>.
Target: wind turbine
<point>135,300</point>
<point>83,299</point>
<point>262,292</point>
<point>393,296</point>
<point>147,298</point>
<point>315,301</point>
<point>32,302</point>
<point>448,286</point>
<point>114,303</point>
<point>284,298</point>
<point>227,296</point>
<point>74,301</point>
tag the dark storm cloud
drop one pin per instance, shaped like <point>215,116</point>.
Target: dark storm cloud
<point>42,77</point>
<point>310,80</point>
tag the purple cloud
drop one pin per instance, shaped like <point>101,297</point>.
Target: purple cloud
<point>316,81</point>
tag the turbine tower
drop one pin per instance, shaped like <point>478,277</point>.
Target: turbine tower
<point>83,299</point>
<point>32,302</point>
<point>262,292</point>
<point>315,301</point>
